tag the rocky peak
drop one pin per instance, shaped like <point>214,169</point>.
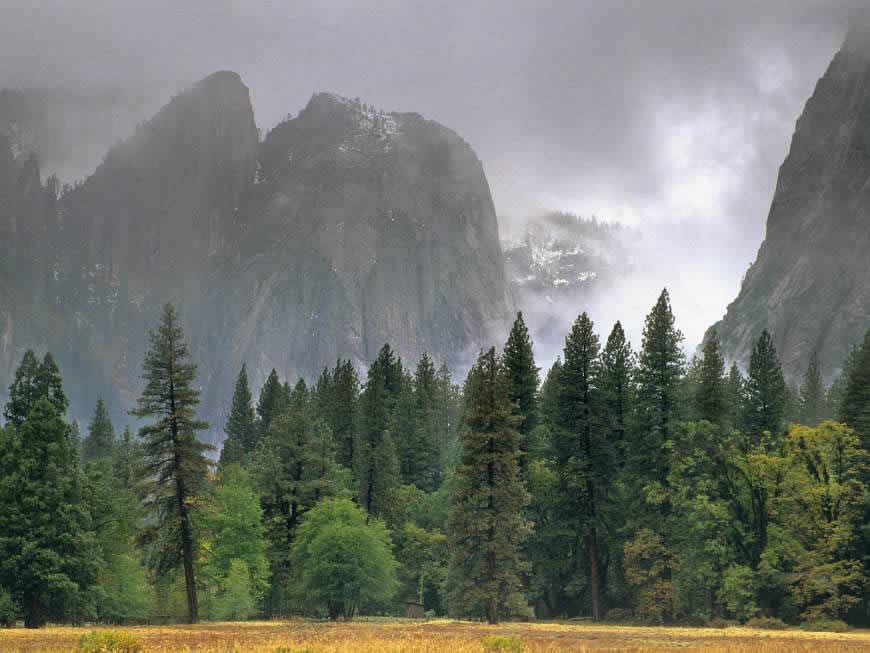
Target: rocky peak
<point>810,283</point>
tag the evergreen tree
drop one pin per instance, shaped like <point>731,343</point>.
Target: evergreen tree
<point>837,392</point>
<point>735,391</point>
<point>240,428</point>
<point>660,366</point>
<point>49,384</point>
<point>766,391</point>
<point>427,460</point>
<point>377,460</point>
<point>273,400</point>
<point>290,467</point>
<point>23,392</point>
<point>519,362</point>
<point>175,459</point>
<point>487,523</point>
<point>617,377</point>
<point>855,406</point>
<point>48,556</point>
<point>337,397</point>
<point>583,449</point>
<point>101,435</point>
<point>812,393</point>
<point>711,394</point>
<point>449,403</point>
<point>34,381</point>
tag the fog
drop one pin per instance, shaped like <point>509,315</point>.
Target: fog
<point>669,116</point>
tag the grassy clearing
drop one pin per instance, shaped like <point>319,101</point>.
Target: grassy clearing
<point>405,636</point>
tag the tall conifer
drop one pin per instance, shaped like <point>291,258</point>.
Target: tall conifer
<point>522,373</point>
<point>176,460</point>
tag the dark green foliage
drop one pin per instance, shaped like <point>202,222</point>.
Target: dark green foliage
<point>23,391</point>
<point>101,435</point>
<point>8,609</point>
<point>425,466</point>
<point>48,555</point>
<point>660,366</point>
<point>522,373</point>
<point>735,393</point>
<point>241,427</point>
<point>837,391</point>
<point>337,397</point>
<point>487,511</point>
<point>855,406</point>
<point>616,385</point>
<point>766,393</point>
<point>812,393</point>
<point>711,394</point>
<point>377,463</point>
<point>273,399</point>
<point>34,381</point>
<point>175,460</point>
<point>291,467</point>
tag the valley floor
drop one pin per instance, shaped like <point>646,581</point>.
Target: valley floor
<point>405,636</point>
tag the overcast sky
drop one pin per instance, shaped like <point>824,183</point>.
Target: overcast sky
<point>669,115</point>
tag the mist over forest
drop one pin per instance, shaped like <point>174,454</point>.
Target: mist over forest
<point>496,312</point>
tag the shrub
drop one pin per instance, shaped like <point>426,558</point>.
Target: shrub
<point>110,641</point>
<point>825,625</point>
<point>618,614</point>
<point>694,621</point>
<point>7,609</point>
<point>766,623</point>
<point>719,622</point>
<point>502,643</point>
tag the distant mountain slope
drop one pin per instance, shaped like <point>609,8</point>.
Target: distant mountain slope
<point>344,229</point>
<point>810,284</point>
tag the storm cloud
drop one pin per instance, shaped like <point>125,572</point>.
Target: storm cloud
<point>671,116</point>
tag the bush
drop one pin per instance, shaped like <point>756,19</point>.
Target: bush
<point>110,641</point>
<point>502,643</point>
<point>694,621</point>
<point>766,623</point>
<point>719,622</point>
<point>8,612</point>
<point>825,626</point>
<point>618,614</point>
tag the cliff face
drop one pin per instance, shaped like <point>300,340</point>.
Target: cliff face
<point>345,229</point>
<point>810,284</point>
<point>361,228</point>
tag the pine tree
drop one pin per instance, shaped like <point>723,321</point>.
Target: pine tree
<point>660,366</point>
<point>23,392</point>
<point>735,391</point>
<point>48,555</point>
<point>34,381</point>
<point>240,428</point>
<point>101,435</point>
<point>449,403</point>
<point>519,362</point>
<point>487,523</point>
<point>338,400</point>
<point>290,467</point>
<point>766,391</point>
<point>175,459</point>
<point>427,460</point>
<point>812,393</point>
<point>837,392</point>
<point>377,461</point>
<point>49,384</point>
<point>583,450</point>
<point>617,377</point>
<point>272,400</point>
<point>855,406</point>
<point>711,400</point>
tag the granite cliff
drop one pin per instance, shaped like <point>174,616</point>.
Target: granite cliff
<point>810,284</point>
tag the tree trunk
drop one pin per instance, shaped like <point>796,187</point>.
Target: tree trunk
<point>594,584</point>
<point>187,555</point>
<point>492,610</point>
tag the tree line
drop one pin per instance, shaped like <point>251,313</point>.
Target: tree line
<point>625,484</point>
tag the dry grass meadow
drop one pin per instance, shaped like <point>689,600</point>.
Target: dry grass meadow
<point>405,636</point>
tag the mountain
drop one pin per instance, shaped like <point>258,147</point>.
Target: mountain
<point>561,264</point>
<point>344,229</point>
<point>810,283</point>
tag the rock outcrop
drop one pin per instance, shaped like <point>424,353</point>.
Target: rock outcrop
<point>344,229</point>
<point>810,284</point>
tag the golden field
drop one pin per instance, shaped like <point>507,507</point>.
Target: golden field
<point>406,636</point>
